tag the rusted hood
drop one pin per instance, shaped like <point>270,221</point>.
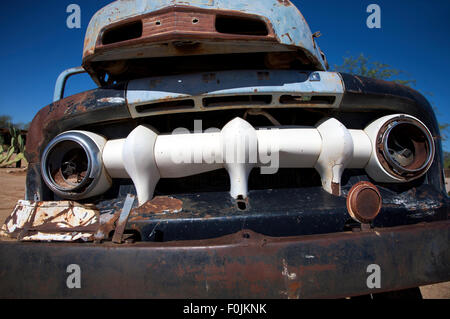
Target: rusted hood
<point>287,28</point>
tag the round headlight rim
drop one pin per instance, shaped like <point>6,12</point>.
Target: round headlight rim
<point>93,171</point>
<point>384,157</point>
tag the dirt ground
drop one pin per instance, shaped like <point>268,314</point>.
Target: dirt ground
<point>12,188</point>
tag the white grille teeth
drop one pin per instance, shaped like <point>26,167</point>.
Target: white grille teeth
<point>336,154</point>
<point>240,148</point>
<point>145,156</point>
<point>138,152</point>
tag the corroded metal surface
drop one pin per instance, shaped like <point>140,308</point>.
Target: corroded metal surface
<point>107,224</point>
<point>289,26</point>
<point>320,261</point>
<point>100,105</point>
<point>242,265</point>
<point>364,202</point>
<point>364,94</point>
<point>123,219</point>
<point>178,22</point>
<point>159,205</point>
<point>51,221</point>
<point>277,213</point>
<point>421,153</point>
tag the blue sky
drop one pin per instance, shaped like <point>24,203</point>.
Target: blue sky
<point>413,37</point>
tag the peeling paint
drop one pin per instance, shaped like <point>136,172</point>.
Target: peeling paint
<point>51,221</point>
<point>286,273</point>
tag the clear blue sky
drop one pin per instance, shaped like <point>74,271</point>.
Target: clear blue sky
<point>37,45</point>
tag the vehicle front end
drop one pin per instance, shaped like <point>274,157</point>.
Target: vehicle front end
<point>262,176</point>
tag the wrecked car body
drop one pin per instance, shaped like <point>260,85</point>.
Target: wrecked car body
<point>243,170</point>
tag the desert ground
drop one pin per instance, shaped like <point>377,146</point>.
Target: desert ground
<point>12,188</point>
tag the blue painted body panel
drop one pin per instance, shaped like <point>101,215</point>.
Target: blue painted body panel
<point>290,27</point>
<point>275,83</point>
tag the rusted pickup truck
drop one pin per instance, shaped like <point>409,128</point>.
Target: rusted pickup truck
<point>218,158</point>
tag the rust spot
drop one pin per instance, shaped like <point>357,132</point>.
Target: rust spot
<point>336,189</point>
<point>407,131</point>
<point>47,219</point>
<point>154,83</point>
<point>49,117</point>
<point>185,47</point>
<point>208,77</point>
<point>360,81</point>
<point>314,268</point>
<point>294,289</point>
<point>285,3</point>
<point>137,218</point>
<point>280,60</point>
<point>160,205</point>
<point>263,76</point>
<point>107,225</point>
<point>287,35</point>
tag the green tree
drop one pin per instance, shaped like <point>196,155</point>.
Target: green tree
<point>5,120</point>
<point>446,160</point>
<point>22,126</point>
<point>363,66</point>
